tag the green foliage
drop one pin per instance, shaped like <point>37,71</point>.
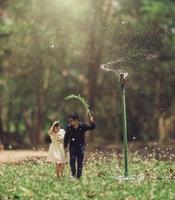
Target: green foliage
<point>35,179</point>
<point>55,48</point>
<point>81,99</point>
<point>159,10</point>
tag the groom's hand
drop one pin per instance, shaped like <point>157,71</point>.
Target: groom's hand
<point>91,119</point>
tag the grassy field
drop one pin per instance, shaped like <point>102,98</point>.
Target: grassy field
<point>35,179</point>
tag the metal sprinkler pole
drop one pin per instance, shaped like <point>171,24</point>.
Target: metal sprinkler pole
<point>125,139</point>
<point>122,75</point>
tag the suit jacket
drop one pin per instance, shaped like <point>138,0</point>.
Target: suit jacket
<point>76,137</point>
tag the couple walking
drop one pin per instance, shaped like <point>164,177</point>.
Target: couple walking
<point>73,139</point>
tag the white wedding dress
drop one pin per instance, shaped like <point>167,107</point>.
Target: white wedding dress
<point>56,152</point>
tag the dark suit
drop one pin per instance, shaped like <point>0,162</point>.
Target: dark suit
<point>75,138</point>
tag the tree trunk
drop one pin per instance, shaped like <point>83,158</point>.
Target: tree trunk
<point>158,103</point>
<point>95,49</point>
<point>4,137</point>
<point>39,120</point>
<point>29,125</point>
<point>162,128</point>
<point>9,114</point>
<point>156,109</point>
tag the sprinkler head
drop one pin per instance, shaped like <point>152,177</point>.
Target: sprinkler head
<point>122,75</point>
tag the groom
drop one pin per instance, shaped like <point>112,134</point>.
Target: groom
<point>75,138</point>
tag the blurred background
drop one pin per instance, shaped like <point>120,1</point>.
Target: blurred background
<point>51,49</point>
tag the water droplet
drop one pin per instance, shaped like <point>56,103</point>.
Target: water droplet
<point>161,109</point>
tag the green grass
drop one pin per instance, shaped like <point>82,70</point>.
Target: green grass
<point>35,179</point>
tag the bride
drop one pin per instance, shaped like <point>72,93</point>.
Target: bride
<point>56,152</point>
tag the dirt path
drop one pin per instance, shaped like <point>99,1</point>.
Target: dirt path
<point>20,155</point>
<point>160,152</point>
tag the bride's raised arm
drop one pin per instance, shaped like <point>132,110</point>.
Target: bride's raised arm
<point>50,131</point>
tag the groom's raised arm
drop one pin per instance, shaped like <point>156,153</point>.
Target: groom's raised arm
<point>91,125</point>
